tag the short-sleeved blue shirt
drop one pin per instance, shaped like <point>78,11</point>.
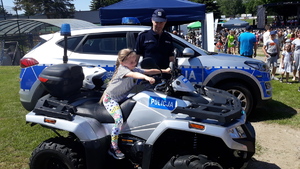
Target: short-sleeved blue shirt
<point>246,40</point>
<point>160,48</point>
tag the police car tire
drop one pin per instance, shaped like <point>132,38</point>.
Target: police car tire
<point>241,92</point>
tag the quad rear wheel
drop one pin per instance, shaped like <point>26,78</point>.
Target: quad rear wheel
<point>57,153</point>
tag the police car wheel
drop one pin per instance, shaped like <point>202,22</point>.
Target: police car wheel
<point>242,93</point>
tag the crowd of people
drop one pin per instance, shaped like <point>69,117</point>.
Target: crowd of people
<point>281,47</point>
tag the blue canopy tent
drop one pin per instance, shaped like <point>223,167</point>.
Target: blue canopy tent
<point>178,11</point>
<point>235,23</point>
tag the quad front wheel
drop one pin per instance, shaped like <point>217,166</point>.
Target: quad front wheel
<point>191,162</point>
<point>57,153</point>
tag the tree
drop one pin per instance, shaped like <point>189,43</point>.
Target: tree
<point>3,11</point>
<point>51,8</point>
<point>211,6</point>
<point>231,8</point>
<point>96,4</point>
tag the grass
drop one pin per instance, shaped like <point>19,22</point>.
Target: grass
<point>18,139</point>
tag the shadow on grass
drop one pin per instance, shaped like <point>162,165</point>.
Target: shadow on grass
<point>255,164</point>
<point>272,110</point>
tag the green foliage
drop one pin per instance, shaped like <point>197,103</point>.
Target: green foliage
<point>211,6</point>
<point>231,8</point>
<point>51,8</point>
<point>96,4</point>
<point>2,11</point>
<point>251,6</point>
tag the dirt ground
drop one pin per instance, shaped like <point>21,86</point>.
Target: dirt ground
<point>278,147</point>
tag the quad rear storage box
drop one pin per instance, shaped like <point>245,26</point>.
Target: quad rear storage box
<point>62,80</point>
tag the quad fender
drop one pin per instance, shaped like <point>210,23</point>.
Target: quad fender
<point>85,128</point>
<point>174,137</point>
<point>215,131</point>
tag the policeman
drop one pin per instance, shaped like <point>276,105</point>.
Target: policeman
<point>156,43</point>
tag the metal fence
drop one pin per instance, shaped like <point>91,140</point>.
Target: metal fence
<point>9,53</point>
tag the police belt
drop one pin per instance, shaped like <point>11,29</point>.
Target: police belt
<point>273,54</point>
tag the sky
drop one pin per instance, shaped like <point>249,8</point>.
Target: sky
<point>80,5</point>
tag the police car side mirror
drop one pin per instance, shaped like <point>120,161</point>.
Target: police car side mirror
<point>188,52</point>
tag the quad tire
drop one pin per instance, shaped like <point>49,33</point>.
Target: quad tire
<point>57,153</point>
<point>191,162</point>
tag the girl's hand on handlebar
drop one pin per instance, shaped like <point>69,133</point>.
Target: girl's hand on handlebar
<point>151,80</point>
<point>168,70</point>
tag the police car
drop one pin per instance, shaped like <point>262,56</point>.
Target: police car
<point>248,79</point>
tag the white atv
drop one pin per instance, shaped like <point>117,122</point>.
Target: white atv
<point>173,126</point>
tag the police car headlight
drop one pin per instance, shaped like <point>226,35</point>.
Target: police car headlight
<point>261,66</point>
<point>237,132</point>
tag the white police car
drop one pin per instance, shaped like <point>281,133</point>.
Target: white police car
<point>248,79</point>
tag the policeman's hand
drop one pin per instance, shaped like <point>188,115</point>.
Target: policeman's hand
<point>151,80</point>
<point>168,70</point>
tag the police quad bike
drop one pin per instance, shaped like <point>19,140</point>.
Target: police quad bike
<point>174,125</point>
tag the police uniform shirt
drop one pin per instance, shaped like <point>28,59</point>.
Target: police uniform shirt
<point>160,48</point>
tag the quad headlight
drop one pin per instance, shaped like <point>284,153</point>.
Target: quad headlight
<point>237,132</point>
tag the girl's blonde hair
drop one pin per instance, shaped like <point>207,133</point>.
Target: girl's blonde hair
<point>122,56</point>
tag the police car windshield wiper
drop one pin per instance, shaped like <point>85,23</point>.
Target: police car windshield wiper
<point>212,53</point>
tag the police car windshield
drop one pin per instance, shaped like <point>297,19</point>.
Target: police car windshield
<point>181,44</point>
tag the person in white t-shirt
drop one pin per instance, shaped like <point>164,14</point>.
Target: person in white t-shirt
<point>271,50</point>
<point>296,63</point>
<point>266,35</point>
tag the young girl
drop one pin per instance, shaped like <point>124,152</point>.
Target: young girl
<point>231,38</point>
<point>219,45</point>
<point>286,62</point>
<point>123,80</point>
